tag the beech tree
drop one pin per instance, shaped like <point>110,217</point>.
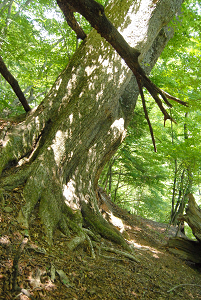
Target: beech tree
<point>58,149</point>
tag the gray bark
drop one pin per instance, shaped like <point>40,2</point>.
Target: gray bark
<point>61,146</point>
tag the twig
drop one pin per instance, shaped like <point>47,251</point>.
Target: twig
<point>180,285</point>
<point>154,91</point>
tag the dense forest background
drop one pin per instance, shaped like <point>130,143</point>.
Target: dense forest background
<point>36,44</point>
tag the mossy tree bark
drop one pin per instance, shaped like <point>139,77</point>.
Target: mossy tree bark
<point>58,151</point>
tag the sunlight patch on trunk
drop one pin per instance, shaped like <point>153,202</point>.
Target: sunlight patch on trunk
<point>58,146</point>
<point>58,83</point>
<point>69,194</point>
<point>118,128</point>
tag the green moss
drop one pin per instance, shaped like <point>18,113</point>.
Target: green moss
<point>115,14</point>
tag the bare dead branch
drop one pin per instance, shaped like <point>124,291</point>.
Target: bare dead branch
<point>158,101</point>
<point>174,98</point>
<point>146,113</point>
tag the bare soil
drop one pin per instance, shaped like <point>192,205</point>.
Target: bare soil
<point>53,272</point>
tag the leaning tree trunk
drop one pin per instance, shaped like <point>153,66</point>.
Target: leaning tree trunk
<point>58,151</point>
<point>184,247</point>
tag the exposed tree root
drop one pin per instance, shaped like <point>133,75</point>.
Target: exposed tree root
<point>99,225</point>
<point>128,255</point>
<point>91,234</point>
<point>76,241</point>
<point>113,250</point>
<point>91,247</point>
<point>43,187</point>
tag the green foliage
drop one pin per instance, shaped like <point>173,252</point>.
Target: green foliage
<point>138,175</point>
<point>36,45</point>
<point>141,180</point>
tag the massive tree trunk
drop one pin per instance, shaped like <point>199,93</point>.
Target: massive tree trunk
<point>58,151</point>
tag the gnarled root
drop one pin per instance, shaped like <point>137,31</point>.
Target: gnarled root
<point>99,225</point>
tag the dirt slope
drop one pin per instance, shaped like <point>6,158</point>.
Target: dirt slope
<point>54,273</point>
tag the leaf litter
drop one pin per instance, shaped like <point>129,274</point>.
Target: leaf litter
<point>53,272</point>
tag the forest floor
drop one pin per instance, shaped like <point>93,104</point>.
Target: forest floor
<point>55,273</point>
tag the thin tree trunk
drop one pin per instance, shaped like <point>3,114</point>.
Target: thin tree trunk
<point>174,192</point>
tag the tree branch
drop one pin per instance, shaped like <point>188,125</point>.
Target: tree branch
<point>14,84</point>
<point>69,16</point>
<point>174,98</point>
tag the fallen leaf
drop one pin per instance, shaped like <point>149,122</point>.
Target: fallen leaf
<point>52,272</point>
<point>63,277</point>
